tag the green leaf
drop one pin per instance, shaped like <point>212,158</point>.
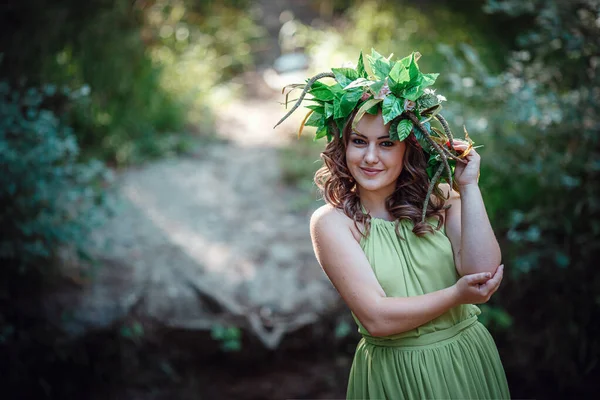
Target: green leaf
<point>374,110</point>
<point>217,332</point>
<point>126,332</point>
<point>391,108</point>
<point>340,122</point>
<point>328,110</point>
<point>413,93</point>
<point>404,128</point>
<point>360,67</point>
<point>346,104</point>
<point>232,332</point>
<point>399,78</point>
<point>421,138</point>
<point>342,330</point>
<point>321,132</point>
<point>413,68</point>
<point>317,108</point>
<point>379,64</point>
<point>345,76</point>
<point>321,91</point>
<point>406,61</point>
<point>369,104</point>
<point>137,329</point>
<point>232,345</point>
<point>376,87</point>
<point>315,119</point>
<point>429,79</point>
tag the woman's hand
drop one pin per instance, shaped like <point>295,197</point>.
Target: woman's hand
<point>469,173</point>
<point>478,288</point>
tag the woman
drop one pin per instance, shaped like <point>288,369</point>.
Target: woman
<point>410,257</point>
<point>421,338</point>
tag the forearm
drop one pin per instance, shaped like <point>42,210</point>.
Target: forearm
<point>392,315</point>
<point>479,251</point>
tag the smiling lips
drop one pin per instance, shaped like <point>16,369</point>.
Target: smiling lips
<point>370,171</point>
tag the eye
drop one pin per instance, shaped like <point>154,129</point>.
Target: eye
<point>387,143</point>
<point>358,141</point>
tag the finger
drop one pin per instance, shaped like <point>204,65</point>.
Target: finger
<point>478,278</point>
<point>460,146</point>
<point>497,279</point>
<point>498,274</point>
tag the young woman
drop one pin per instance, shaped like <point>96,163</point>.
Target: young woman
<point>410,256</point>
<point>411,284</point>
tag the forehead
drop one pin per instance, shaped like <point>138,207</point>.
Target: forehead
<point>372,126</point>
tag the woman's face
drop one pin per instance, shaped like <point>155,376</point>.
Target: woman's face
<point>373,159</point>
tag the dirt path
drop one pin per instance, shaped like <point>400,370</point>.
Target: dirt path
<point>210,238</point>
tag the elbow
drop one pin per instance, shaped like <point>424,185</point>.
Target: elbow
<point>375,328</point>
<point>376,331</point>
<point>373,319</point>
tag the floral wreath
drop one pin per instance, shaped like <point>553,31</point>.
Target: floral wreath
<point>402,92</point>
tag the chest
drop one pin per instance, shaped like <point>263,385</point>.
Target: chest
<point>410,266</point>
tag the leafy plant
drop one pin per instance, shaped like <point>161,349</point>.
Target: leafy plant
<point>541,192</point>
<point>229,337</point>
<point>48,199</point>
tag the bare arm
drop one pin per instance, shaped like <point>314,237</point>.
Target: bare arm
<point>347,267</point>
<point>467,224</point>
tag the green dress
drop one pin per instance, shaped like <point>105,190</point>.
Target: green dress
<point>450,357</point>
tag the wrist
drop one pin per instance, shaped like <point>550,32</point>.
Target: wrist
<point>467,186</point>
<point>454,296</point>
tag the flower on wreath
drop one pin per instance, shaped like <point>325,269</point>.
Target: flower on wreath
<point>383,92</point>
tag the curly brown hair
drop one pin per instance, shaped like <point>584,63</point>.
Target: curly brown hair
<point>338,188</point>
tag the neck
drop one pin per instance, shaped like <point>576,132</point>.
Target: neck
<point>374,203</point>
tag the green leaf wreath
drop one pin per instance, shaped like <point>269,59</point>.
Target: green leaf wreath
<point>405,98</point>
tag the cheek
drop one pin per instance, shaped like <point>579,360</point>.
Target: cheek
<point>352,156</point>
<point>396,160</point>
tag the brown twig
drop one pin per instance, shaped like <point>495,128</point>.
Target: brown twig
<point>432,184</point>
<point>310,82</point>
<point>439,149</point>
<point>444,124</point>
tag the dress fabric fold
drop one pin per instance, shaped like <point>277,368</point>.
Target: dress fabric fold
<point>451,357</point>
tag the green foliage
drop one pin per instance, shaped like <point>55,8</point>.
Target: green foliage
<point>539,178</point>
<point>353,90</point>
<point>47,198</point>
<point>229,337</point>
<point>401,28</point>
<point>133,331</point>
<point>342,329</point>
<point>149,66</point>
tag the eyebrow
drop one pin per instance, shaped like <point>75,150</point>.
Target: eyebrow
<point>361,135</point>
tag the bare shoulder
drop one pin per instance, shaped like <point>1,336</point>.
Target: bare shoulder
<point>328,215</point>
<point>330,219</point>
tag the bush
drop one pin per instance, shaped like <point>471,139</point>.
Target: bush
<point>47,198</point>
<point>540,185</point>
<point>151,66</point>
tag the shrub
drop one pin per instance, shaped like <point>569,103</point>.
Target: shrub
<point>540,185</point>
<point>47,198</point>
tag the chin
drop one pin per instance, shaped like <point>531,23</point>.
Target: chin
<point>372,185</point>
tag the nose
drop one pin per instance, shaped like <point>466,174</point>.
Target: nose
<point>371,156</point>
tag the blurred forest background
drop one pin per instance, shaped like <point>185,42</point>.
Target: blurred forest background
<point>140,172</point>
